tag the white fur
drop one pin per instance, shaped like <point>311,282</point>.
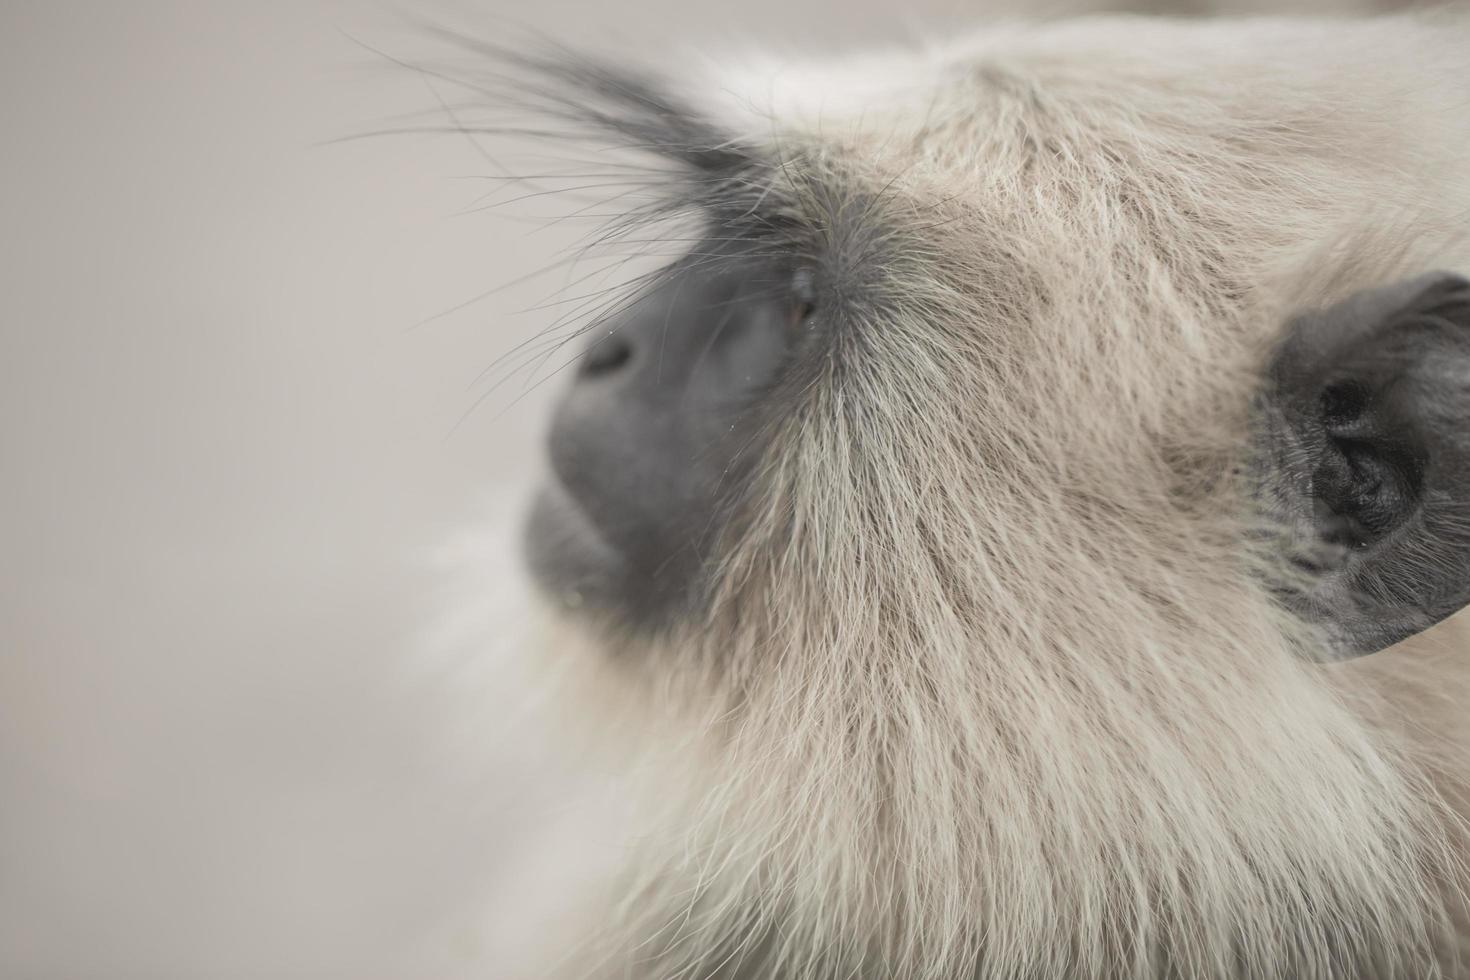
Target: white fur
<point>992,689</point>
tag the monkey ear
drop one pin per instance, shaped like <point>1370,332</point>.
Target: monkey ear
<point>1366,419</point>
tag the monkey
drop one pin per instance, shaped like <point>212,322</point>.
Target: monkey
<point>1025,525</point>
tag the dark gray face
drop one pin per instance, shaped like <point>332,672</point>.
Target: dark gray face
<point>653,441</point>
<point>1365,458</point>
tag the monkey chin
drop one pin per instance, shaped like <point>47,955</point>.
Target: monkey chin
<point>589,576</point>
<point>569,559</point>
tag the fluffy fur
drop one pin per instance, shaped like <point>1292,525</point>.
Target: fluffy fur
<point>991,686</point>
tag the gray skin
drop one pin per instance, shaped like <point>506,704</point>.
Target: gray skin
<point>651,444</point>
<point>1362,452</point>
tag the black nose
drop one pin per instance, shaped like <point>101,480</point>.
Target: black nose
<point>704,338</point>
<point>606,355</point>
<point>652,432</point>
<point>700,337</point>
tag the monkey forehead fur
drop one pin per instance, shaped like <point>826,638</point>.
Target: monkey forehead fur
<point>989,686</point>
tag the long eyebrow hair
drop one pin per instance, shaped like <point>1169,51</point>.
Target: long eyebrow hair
<point>573,97</point>
<point>744,197</point>
<point>660,178</point>
<point>666,180</point>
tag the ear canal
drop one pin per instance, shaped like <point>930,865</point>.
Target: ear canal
<point>1370,470</point>
<point>1368,419</point>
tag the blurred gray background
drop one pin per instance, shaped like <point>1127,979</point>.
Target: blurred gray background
<point>233,368</point>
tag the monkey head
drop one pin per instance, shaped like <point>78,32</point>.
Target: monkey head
<point>1008,483</point>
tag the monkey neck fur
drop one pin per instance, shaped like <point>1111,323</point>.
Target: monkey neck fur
<point>995,762</point>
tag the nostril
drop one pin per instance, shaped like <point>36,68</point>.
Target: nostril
<point>606,356</point>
